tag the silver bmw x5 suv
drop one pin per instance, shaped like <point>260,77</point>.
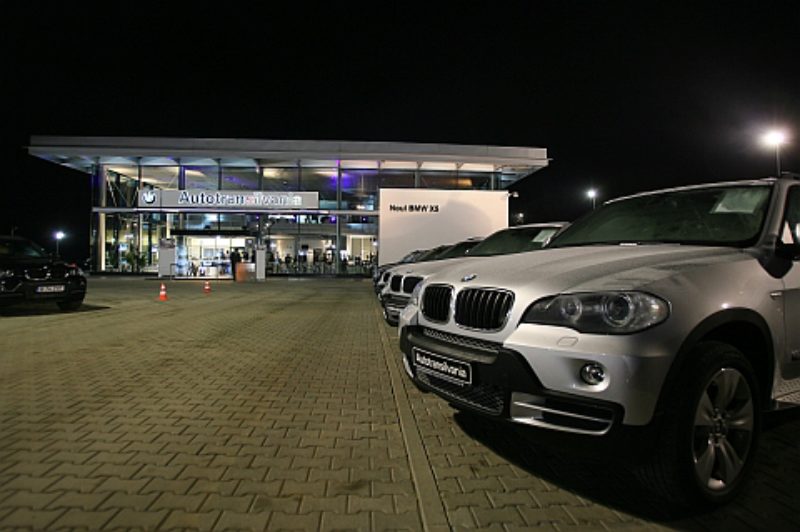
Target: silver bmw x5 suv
<point>666,320</point>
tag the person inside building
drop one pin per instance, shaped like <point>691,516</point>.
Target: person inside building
<point>235,259</point>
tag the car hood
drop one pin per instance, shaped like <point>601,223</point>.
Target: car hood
<point>427,268</point>
<point>29,262</point>
<point>586,268</point>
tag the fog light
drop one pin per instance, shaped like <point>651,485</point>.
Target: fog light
<point>593,373</point>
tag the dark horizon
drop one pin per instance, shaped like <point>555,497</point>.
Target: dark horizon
<point>624,97</point>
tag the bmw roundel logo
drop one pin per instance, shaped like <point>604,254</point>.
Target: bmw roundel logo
<point>148,196</point>
<point>468,278</point>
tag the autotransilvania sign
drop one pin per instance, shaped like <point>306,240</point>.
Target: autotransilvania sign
<point>230,199</point>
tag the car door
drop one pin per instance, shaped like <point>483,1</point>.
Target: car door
<point>790,233</point>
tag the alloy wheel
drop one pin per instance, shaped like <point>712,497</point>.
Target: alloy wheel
<point>723,429</point>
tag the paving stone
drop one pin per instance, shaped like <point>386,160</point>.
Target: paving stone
<point>235,503</point>
<point>29,483</point>
<point>221,487</point>
<point>395,487</point>
<point>132,519</point>
<point>313,503</point>
<point>31,519</point>
<point>288,505</point>
<point>461,517</point>
<point>75,518</point>
<point>267,488</point>
<point>160,485</point>
<point>282,521</point>
<point>293,487</point>
<point>83,501</point>
<point>118,484</point>
<point>552,515</point>
<point>165,472</point>
<point>27,499</point>
<point>489,516</point>
<point>128,500</point>
<point>357,503</point>
<point>70,457</point>
<point>28,456</point>
<point>516,498</point>
<point>409,521</point>
<point>230,520</point>
<point>359,487</point>
<point>335,522</point>
<point>188,503</point>
<point>245,473</point>
<point>30,469</point>
<point>117,470</point>
<point>181,520</point>
<point>478,499</point>
<point>203,473</point>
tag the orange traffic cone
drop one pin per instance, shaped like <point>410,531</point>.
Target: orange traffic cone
<point>207,287</point>
<point>162,295</point>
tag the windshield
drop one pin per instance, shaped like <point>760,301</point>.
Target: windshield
<point>723,216</point>
<point>431,254</point>
<point>411,256</point>
<point>457,250</point>
<point>19,249</point>
<point>513,240</point>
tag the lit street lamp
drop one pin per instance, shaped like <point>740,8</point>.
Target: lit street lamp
<point>59,236</point>
<point>775,138</point>
<point>592,195</point>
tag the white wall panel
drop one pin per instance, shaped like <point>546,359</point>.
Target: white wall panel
<point>423,218</point>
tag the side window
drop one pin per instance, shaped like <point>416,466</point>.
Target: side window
<point>791,218</point>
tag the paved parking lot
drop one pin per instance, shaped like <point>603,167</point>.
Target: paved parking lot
<point>283,406</point>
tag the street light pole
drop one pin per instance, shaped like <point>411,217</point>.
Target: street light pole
<point>592,194</point>
<point>59,236</point>
<point>775,139</point>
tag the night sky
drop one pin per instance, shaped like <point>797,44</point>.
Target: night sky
<point>625,96</point>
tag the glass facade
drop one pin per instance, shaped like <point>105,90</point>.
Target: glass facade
<point>339,235</point>
<point>295,243</point>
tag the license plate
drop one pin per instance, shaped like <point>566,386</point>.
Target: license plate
<point>442,367</point>
<point>49,289</point>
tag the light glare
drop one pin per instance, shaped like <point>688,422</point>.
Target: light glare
<point>774,138</point>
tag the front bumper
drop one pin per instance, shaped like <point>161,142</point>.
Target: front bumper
<point>394,304</point>
<point>503,384</point>
<point>18,290</point>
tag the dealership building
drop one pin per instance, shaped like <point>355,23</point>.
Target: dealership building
<point>182,206</point>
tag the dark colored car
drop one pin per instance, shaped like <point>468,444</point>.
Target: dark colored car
<point>29,274</point>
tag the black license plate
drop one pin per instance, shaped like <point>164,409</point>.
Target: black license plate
<point>443,367</point>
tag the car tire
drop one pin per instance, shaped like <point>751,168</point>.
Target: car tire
<point>708,437</point>
<point>71,305</point>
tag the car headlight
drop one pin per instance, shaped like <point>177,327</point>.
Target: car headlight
<point>601,312</point>
<point>415,295</point>
<point>4,274</point>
